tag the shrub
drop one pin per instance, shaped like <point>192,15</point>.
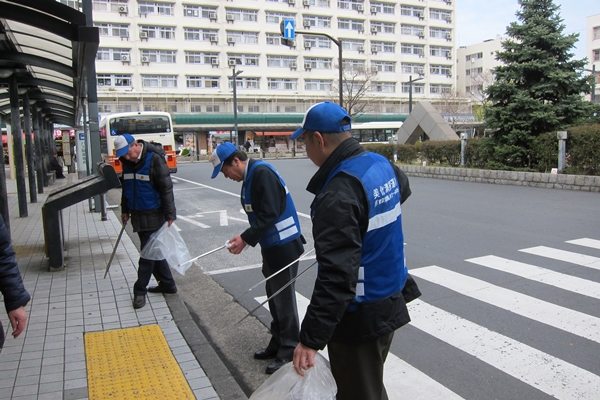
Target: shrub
<point>184,152</point>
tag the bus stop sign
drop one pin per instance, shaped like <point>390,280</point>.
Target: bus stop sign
<point>288,28</point>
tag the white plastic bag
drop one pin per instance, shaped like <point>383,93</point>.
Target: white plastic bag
<point>285,384</point>
<point>167,244</point>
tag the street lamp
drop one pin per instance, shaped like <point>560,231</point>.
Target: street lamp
<point>235,121</point>
<point>410,85</point>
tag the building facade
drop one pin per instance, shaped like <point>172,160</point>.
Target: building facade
<point>593,53</point>
<point>179,55</point>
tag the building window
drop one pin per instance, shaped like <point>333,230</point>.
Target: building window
<point>416,88</point>
<point>353,45</point>
<point>155,8</point>
<point>253,109</point>
<point>280,61</point>
<point>440,69</point>
<point>243,15</point>
<point>408,68</point>
<point>440,14</point>
<point>244,59</point>
<point>274,39</point>
<point>213,108</point>
<point>322,42</point>
<point>384,66</point>
<point>210,82</point>
<point>282,84</point>
<point>318,63</point>
<point>385,47</point>
<point>383,87</point>
<point>410,11</point>
<point>440,33</point>
<point>195,108</point>
<point>317,84</point>
<point>412,30</point>
<point>104,5</point>
<point>438,51</point>
<point>277,17</point>
<point>354,65</point>
<point>159,32</point>
<point>160,56</point>
<point>316,21</point>
<point>353,24</point>
<point>596,55</point>
<point>202,35</point>
<point>416,49</point>
<point>105,54</point>
<point>441,89</point>
<point>159,81</point>
<point>114,30</point>
<point>243,37</point>
<point>198,57</point>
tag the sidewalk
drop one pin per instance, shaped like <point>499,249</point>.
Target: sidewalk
<point>52,359</point>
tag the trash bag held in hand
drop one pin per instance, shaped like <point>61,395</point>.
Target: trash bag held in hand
<point>285,384</point>
<point>167,244</point>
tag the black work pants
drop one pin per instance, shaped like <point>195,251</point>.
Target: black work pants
<point>358,368</point>
<point>285,327</point>
<point>147,268</point>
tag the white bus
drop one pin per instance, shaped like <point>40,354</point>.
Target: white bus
<point>155,127</point>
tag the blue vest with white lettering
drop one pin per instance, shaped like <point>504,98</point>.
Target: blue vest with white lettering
<point>140,193</point>
<point>287,227</point>
<point>382,271</point>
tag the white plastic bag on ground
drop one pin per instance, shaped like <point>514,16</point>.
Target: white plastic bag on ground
<point>167,244</point>
<point>285,384</point>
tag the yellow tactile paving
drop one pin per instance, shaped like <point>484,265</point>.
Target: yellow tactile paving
<point>133,363</point>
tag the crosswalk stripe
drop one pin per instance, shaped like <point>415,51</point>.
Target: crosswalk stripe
<point>539,274</point>
<point>568,320</point>
<point>402,380</point>
<point>593,243</point>
<point>542,371</point>
<point>562,255</point>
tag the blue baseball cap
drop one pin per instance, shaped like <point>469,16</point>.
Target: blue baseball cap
<point>221,153</point>
<point>324,117</point>
<point>122,143</point>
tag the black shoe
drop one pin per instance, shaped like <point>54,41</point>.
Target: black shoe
<point>265,354</point>
<point>139,301</point>
<point>275,365</point>
<point>163,289</point>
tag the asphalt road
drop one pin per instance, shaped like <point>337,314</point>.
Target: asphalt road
<point>520,319</point>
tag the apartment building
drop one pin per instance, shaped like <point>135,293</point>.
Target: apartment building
<point>593,52</point>
<point>179,55</point>
<point>474,67</point>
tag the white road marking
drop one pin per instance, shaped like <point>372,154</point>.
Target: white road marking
<point>194,222</point>
<point>542,275</point>
<point>562,255</point>
<point>563,318</point>
<point>593,243</point>
<point>234,269</point>
<point>402,380</point>
<point>542,371</point>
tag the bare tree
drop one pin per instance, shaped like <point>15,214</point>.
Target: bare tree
<point>453,104</point>
<point>357,88</point>
<point>479,83</point>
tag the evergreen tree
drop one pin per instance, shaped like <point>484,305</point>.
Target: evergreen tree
<point>539,87</point>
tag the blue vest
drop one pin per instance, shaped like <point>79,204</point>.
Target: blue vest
<point>287,227</point>
<point>382,271</point>
<point>138,189</point>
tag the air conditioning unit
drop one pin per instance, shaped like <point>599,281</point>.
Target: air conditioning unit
<point>306,23</point>
<point>229,17</point>
<point>449,20</point>
<point>214,61</point>
<point>421,55</point>
<point>373,29</point>
<point>214,38</point>
<point>293,65</point>
<point>421,16</point>
<point>145,59</point>
<point>307,66</point>
<point>143,35</point>
<point>212,16</point>
<point>126,58</point>
<point>374,69</point>
<point>291,2</point>
<point>449,2</point>
<point>231,62</point>
<point>230,39</point>
<point>307,46</point>
<point>123,9</point>
<point>448,56</point>
<point>421,35</point>
<point>448,36</point>
<point>306,3</point>
<point>361,49</point>
<point>360,8</point>
<point>373,10</point>
<point>448,75</point>
<point>374,49</point>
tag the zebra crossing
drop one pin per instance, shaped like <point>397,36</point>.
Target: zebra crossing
<point>541,369</point>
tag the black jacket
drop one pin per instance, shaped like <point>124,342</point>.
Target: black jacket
<point>340,221</point>
<point>11,284</point>
<point>268,203</point>
<point>160,177</point>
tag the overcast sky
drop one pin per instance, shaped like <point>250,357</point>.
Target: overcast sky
<point>478,20</point>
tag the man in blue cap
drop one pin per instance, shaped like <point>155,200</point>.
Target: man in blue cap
<point>358,299</point>
<point>147,198</point>
<point>274,224</point>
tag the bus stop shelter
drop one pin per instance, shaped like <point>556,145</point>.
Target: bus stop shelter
<point>47,56</point>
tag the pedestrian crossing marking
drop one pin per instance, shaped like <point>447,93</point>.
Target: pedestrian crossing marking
<point>543,371</point>
<point>402,380</point>
<point>563,318</point>
<point>539,274</point>
<point>593,243</point>
<point>563,255</point>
